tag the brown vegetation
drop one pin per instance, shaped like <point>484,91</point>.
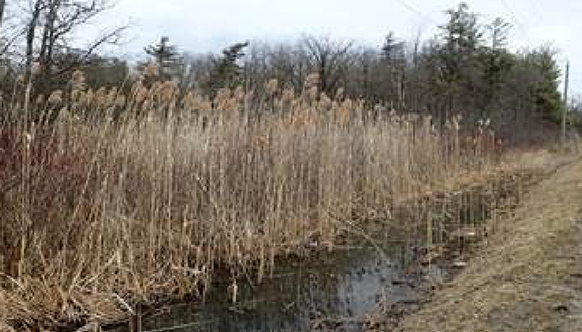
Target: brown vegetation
<point>102,209</point>
<point>528,276</point>
<point>123,190</point>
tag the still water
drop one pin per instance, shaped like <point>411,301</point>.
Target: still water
<point>333,290</point>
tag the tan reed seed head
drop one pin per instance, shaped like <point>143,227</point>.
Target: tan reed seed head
<point>78,87</point>
<point>224,100</point>
<point>339,95</point>
<point>188,101</point>
<point>167,92</point>
<point>55,98</point>
<point>271,87</point>
<point>78,81</point>
<point>151,71</point>
<point>80,100</point>
<point>142,93</point>
<point>111,97</point>
<point>239,94</point>
<point>342,112</point>
<point>324,101</point>
<point>100,98</point>
<point>120,101</point>
<point>90,97</point>
<point>288,95</point>
<point>194,101</point>
<point>313,92</point>
<point>222,95</point>
<point>312,80</point>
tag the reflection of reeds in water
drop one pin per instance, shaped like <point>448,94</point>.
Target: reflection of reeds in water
<point>454,219</point>
<point>110,200</point>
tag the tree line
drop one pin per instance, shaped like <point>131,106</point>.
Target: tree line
<point>465,69</point>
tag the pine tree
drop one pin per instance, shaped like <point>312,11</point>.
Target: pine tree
<point>392,50</point>
<point>460,69</point>
<point>499,32</point>
<point>496,62</point>
<point>548,99</point>
<point>165,56</point>
<point>462,38</point>
<point>394,60</point>
<point>227,71</point>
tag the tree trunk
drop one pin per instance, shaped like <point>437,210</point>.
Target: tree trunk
<point>2,6</point>
<point>30,34</point>
<point>47,45</point>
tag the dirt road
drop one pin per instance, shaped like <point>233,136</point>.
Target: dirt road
<point>528,277</point>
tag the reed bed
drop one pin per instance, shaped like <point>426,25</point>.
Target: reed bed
<point>110,199</point>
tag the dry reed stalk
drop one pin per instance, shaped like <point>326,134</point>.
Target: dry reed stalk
<point>147,207</point>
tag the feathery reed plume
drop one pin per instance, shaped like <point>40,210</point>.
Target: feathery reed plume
<point>149,206</point>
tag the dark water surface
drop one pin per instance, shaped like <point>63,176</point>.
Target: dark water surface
<point>338,288</point>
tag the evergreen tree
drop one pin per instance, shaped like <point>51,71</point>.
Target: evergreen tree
<point>498,33</point>
<point>496,62</point>
<point>458,57</point>
<point>393,58</point>
<point>462,34</point>
<point>165,56</point>
<point>392,49</point>
<point>547,96</point>
<point>227,71</point>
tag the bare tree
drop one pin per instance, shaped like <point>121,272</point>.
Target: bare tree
<point>2,6</point>
<point>197,69</point>
<point>330,60</point>
<point>10,33</point>
<point>288,63</point>
<point>49,26</point>
<point>35,12</point>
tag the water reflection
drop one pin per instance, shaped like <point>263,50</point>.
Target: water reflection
<point>344,286</point>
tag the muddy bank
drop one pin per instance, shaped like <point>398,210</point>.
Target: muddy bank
<point>527,276</point>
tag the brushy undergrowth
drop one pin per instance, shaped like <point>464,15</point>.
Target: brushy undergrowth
<point>108,200</point>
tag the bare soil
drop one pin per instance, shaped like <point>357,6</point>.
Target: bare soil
<point>527,276</point>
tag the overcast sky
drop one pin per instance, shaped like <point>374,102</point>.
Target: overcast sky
<point>210,25</point>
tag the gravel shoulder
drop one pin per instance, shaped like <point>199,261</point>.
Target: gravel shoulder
<point>528,276</point>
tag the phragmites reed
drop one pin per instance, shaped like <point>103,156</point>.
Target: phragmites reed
<point>271,87</point>
<point>55,98</point>
<point>151,71</point>
<point>147,207</point>
<point>78,81</point>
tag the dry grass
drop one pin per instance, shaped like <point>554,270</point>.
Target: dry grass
<point>527,278</point>
<point>108,200</point>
